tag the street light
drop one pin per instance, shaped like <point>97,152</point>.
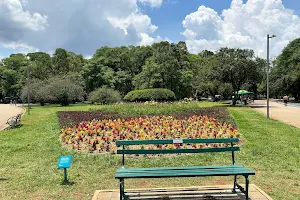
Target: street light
<point>28,89</point>
<point>268,66</point>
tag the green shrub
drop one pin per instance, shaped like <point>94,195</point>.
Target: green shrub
<point>39,93</point>
<point>105,95</point>
<point>156,94</point>
<point>63,90</point>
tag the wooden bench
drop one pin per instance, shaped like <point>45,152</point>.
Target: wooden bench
<point>191,171</point>
<point>14,121</point>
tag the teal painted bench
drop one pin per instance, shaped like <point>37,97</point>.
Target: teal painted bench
<point>191,171</point>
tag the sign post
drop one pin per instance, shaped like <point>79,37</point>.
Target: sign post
<point>64,162</point>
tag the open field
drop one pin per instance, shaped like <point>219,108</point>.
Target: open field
<point>28,156</point>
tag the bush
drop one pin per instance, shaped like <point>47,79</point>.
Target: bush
<point>58,89</point>
<point>38,92</point>
<point>64,90</point>
<point>156,94</point>
<point>105,95</point>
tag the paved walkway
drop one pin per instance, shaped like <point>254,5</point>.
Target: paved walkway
<point>287,114</point>
<point>7,111</point>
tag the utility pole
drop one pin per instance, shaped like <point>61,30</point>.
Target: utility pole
<point>268,70</point>
<point>28,86</point>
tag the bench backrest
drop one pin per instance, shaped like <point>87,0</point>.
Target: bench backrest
<point>230,141</point>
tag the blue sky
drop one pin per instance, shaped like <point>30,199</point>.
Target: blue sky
<point>170,15</point>
<point>83,26</point>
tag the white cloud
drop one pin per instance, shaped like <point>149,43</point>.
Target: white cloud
<point>13,9</point>
<point>152,3</point>
<point>243,25</point>
<point>204,22</point>
<point>142,23</point>
<point>146,40</point>
<point>79,26</point>
<point>21,47</point>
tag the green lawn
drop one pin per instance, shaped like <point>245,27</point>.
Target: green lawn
<point>28,157</point>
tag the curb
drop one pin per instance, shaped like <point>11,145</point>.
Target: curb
<point>288,104</point>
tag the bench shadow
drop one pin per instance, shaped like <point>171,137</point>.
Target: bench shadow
<point>185,194</point>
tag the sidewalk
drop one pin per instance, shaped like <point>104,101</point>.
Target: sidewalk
<point>287,114</point>
<point>7,111</point>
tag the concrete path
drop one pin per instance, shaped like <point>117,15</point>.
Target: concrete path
<point>7,111</point>
<point>287,114</point>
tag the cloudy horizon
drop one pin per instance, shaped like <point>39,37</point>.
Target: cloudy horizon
<point>84,26</point>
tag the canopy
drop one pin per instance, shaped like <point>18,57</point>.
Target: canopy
<point>244,92</point>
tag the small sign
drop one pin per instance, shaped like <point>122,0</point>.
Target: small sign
<point>64,162</point>
<point>177,141</point>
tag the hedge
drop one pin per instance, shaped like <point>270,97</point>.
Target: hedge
<point>156,94</point>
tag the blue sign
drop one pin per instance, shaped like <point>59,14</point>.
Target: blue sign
<point>64,162</point>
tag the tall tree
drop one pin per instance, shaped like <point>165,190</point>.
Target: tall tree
<point>41,65</point>
<point>286,71</point>
<point>238,67</point>
<point>60,61</point>
<point>13,73</point>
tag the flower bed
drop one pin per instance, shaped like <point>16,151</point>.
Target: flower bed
<point>73,118</point>
<point>99,136</point>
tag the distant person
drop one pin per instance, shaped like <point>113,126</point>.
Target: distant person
<point>286,99</point>
<point>245,98</point>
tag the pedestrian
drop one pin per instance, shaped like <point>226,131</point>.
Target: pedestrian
<point>285,99</point>
<point>245,98</point>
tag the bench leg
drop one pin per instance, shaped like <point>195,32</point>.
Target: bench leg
<point>234,184</point>
<point>247,188</point>
<point>122,196</point>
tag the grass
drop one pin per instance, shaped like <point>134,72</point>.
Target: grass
<point>28,157</point>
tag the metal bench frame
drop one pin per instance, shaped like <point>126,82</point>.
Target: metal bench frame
<point>231,170</point>
<point>14,121</point>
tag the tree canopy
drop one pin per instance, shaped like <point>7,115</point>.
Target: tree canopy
<point>161,65</point>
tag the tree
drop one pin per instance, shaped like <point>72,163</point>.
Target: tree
<point>40,65</point>
<point>97,75</point>
<point>63,90</point>
<point>75,61</point>
<point>12,73</point>
<point>238,67</point>
<point>60,61</point>
<point>150,77</point>
<point>39,92</point>
<point>285,75</point>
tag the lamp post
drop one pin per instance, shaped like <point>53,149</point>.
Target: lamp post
<point>268,69</point>
<point>28,85</point>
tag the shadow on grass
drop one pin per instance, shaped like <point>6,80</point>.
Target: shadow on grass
<point>68,183</point>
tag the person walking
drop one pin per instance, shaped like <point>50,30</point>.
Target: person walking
<point>285,99</point>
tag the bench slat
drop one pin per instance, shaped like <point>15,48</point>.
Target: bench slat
<point>176,168</point>
<point>176,151</point>
<point>184,141</point>
<point>184,172</point>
